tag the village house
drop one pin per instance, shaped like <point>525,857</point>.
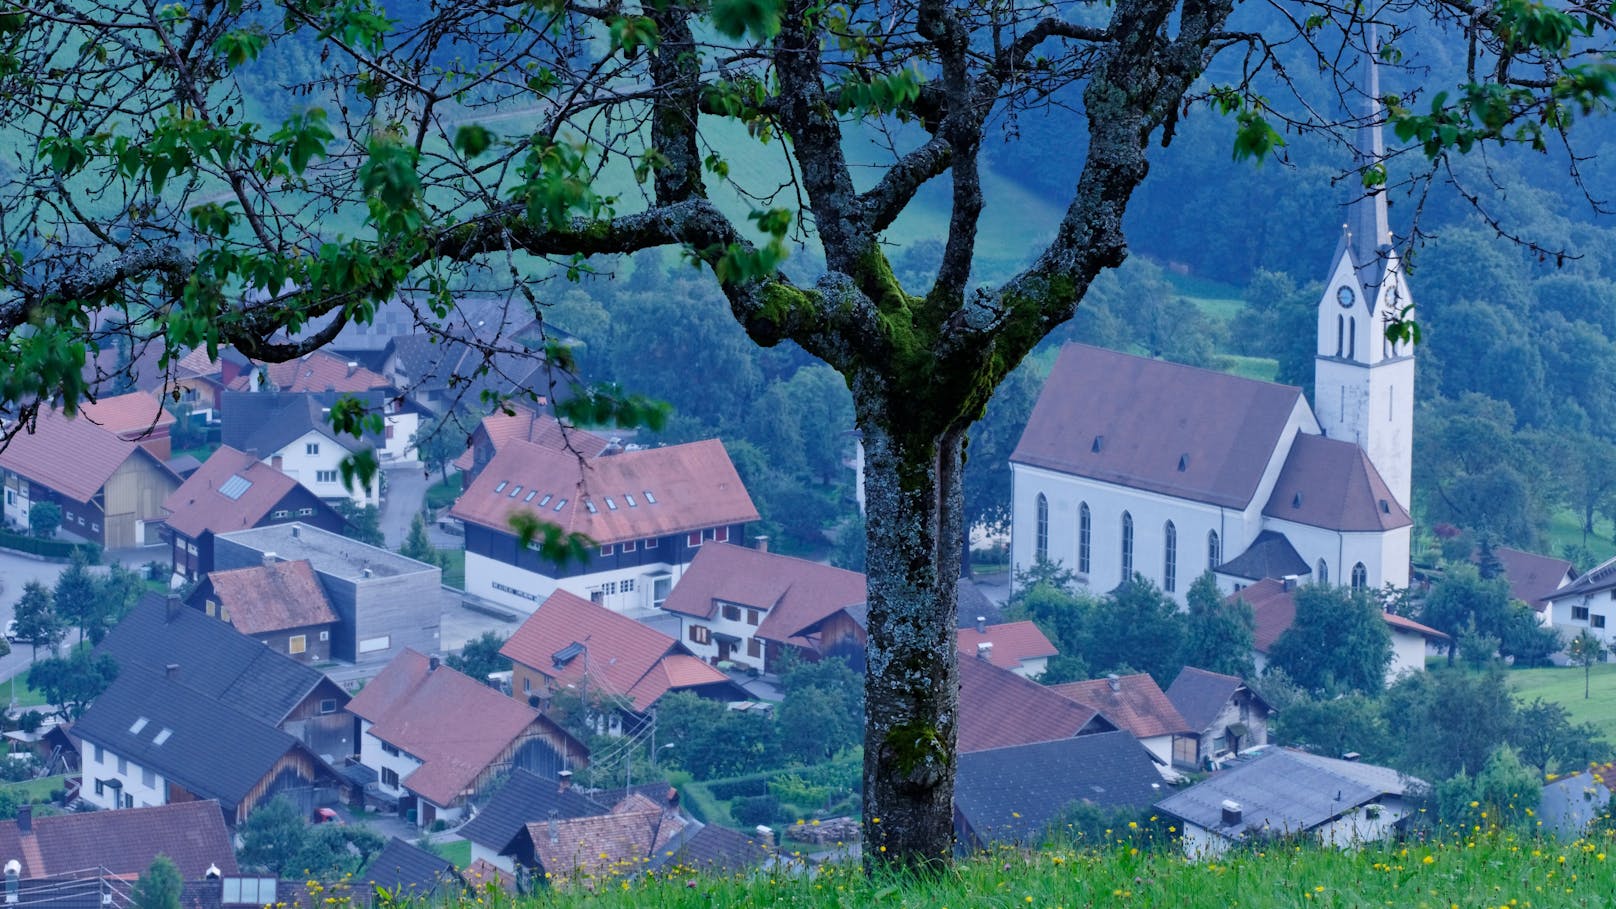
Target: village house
<point>293,434</point>
<point>1019,794</point>
<point>438,739</point>
<point>1273,607</point>
<point>525,797</point>
<point>1586,604</point>
<point>1136,704</point>
<point>233,490</point>
<point>124,843</point>
<point>1279,793</point>
<point>1017,646</point>
<point>384,602</point>
<point>104,468</point>
<point>1223,714</point>
<point>1570,804</point>
<point>750,607</point>
<point>410,874</point>
<point>646,514</point>
<point>1533,578</point>
<point>999,709</point>
<point>518,422</point>
<point>586,852</point>
<point>484,351</point>
<point>281,605</point>
<point>613,662</point>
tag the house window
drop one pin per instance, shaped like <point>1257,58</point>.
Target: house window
<point>609,588</point>
<point>149,778</point>
<point>325,635</point>
<point>1085,532</point>
<point>325,476</point>
<point>527,685</point>
<point>304,512</point>
<point>100,755</point>
<point>1214,550</point>
<point>311,448</point>
<point>1040,538</point>
<point>123,766</point>
<point>389,777</point>
<point>1127,546</point>
<point>700,635</point>
<point>281,513</point>
<point>732,612</point>
<point>297,643</point>
<point>328,705</point>
<point>389,749</point>
<point>1340,334</point>
<point>371,645</point>
<point>607,550</point>
<point>625,586</point>
<point>1170,560</point>
<point>1352,338</point>
<point>1322,572</point>
<point>651,543</point>
<point>212,608</point>
<point>1597,621</point>
<point>693,538</point>
<point>753,617</point>
<point>1360,577</point>
<point>1579,613</point>
<point>629,546</point>
<point>754,647</point>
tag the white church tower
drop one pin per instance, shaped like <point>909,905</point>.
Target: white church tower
<point>1363,386</point>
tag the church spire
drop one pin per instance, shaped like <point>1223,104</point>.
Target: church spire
<point>1367,219</point>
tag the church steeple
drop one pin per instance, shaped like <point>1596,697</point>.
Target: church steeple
<point>1367,219</point>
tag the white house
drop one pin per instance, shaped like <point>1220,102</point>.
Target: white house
<point>1273,607</point>
<point>292,433</point>
<point>1136,466</point>
<point>1586,604</point>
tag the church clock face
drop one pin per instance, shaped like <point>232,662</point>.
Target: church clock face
<point>1344,296</point>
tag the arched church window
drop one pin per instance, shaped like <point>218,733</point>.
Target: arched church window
<point>1170,560</point>
<point>1340,334</point>
<point>1085,530</point>
<point>1214,550</point>
<point>1352,338</point>
<point>1321,573</point>
<point>1127,546</point>
<point>1360,577</point>
<point>1040,545</point>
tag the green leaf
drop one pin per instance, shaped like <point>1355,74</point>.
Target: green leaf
<point>738,18</point>
<point>473,139</point>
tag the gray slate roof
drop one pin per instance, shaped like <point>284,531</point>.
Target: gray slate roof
<point>1014,794</point>
<point>267,421</point>
<point>1285,791</point>
<point>1149,424</point>
<point>212,659</point>
<point>1571,803</point>
<point>410,873</point>
<point>1601,578</point>
<point>712,850</point>
<point>1200,695</point>
<point>1271,555</point>
<point>527,797</point>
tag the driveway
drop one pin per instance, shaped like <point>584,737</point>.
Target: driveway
<point>16,571</point>
<point>406,496</point>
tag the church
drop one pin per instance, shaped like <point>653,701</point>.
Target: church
<point>1130,465</point>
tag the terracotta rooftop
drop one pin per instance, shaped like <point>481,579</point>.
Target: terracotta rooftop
<point>232,490</point>
<point>71,455</point>
<point>999,708</point>
<point>635,495</point>
<point>317,371</point>
<point>1012,642</point>
<point>123,842</point>
<point>568,638</point>
<point>524,424</point>
<point>793,593</point>
<point>1149,424</point>
<point>457,727</point>
<point>1332,484</point>
<point>1133,702</point>
<point>1274,609</point>
<point>608,845</point>
<point>134,416</point>
<point>277,597</point>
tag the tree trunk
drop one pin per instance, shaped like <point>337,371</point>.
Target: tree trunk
<point>912,681</point>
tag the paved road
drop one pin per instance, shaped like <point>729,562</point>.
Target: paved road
<point>406,494</point>
<point>15,572</point>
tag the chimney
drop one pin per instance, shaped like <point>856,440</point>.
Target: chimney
<point>555,832</point>
<point>13,873</point>
<point>271,558</point>
<point>174,605</point>
<point>171,670</point>
<point>981,624</point>
<point>25,819</point>
<point>432,664</point>
<point>1289,582</point>
<point>565,780</point>
<point>294,531</point>
<point>1112,680</point>
<point>762,541</point>
<point>365,572</point>
<point>1351,756</point>
<point>353,367</point>
<point>984,650</point>
<point>276,462</point>
<point>1232,812</point>
<point>765,835</point>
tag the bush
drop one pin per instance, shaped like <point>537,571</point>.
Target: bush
<point>50,549</point>
<point>15,770</point>
<point>755,810</point>
<point>725,790</point>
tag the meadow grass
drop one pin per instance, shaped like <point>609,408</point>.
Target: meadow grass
<point>1563,686</point>
<point>1565,529</point>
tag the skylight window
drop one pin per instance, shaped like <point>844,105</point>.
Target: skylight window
<point>610,505</point>
<point>591,506</point>
<point>162,736</point>
<point>545,501</point>
<point>235,487</point>
<point>140,723</point>
<point>629,498</point>
<point>560,505</point>
<point>502,485</point>
<point>516,491</point>
<point>530,494</point>
<point>649,499</point>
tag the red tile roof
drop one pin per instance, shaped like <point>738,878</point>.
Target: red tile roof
<point>1533,577</point>
<point>1332,484</point>
<point>125,842</point>
<point>1012,642</point>
<point>134,416</point>
<point>690,486</point>
<point>1149,424</point>
<point>620,656</point>
<point>70,455</point>
<point>276,597</point>
<point>198,506</point>
<point>1274,609</point>
<point>524,424</point>
<point>1136,704</point>
<point>999,708</point>
<point>614,845</point>
<point>794,593</point>
<point>197,364</point>
<point>456,726</point>
<point>313,372</point>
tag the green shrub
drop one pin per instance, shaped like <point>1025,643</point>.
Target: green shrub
<point>754,810</point>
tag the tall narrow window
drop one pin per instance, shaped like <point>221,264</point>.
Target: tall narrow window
<point>1214,550</point>
<point>1085,530</point>
<point>1040,545</point>
<point>1360,577</point>
<point>1340,334</point>
<point>1352,338</point>
<point>1322,572</point>
<point>1127,547</point>
<point>1170,560</point>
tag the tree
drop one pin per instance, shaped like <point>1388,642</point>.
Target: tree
<point>78,597</point>
<point>480,657</point>
<point>439,441</point>
<point>1221,633</point>
<point>1585,650</point>
<point>362,522</point>
<point>120,590</point>
<point>1447,720</point>
<point>371,193</point>
<point>72,682</point>
<point>1338,643</point>
<point>1136,627</point>
<point>37,621</point>
<point>43,519</point>
<point>418,546</point>
<point>848,552</point>
<point>159,886</point>
<point>1545,738</point>
<point>271,837</point>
